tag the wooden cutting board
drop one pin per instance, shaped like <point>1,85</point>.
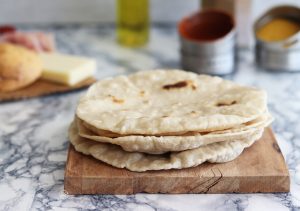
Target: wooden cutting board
<point>260,169</point>
<point>42,87</point>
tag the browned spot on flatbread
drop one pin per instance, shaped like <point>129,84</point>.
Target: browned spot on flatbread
<point>180,84</point>
<point>177,85</point>
<point>226,103</point>
<point>116,100</point>
<point>142,93</point>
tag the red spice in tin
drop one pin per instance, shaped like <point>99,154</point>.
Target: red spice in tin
<point>206,25</point>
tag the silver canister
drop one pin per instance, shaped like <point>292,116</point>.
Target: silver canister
<point>281,55</point>
<point>208,40</point>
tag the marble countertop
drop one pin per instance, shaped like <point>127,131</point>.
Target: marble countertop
<point>33,133</point>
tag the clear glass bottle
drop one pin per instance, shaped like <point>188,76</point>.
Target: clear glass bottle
<point>132,22</point>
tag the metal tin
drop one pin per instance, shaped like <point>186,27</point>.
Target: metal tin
<point>215,56</point>
<point>216,64</point>
<point>282,55</point>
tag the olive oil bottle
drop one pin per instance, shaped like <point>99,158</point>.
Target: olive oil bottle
<point>132,22</point>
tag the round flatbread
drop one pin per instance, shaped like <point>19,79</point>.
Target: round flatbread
<point>137,161</point>
<point>169,101</point>
<point>163,144</point>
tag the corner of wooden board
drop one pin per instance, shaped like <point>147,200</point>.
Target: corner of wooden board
<point>72,182</point>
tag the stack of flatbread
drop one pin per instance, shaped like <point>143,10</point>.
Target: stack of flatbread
<point>167,119</point>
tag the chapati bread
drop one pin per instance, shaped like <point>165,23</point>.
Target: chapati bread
<point>163,144</point>
<point>137,161</point>
<point>252,123</point>
<point>174,101</point>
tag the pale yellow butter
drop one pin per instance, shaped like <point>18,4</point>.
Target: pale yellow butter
<point>67,69</point>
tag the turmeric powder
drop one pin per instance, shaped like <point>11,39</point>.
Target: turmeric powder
<point>277,30</point>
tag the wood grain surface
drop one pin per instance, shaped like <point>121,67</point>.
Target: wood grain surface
<point>260,168</point>
<point>42,87</point>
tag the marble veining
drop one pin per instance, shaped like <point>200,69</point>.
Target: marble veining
<point>33,133</point>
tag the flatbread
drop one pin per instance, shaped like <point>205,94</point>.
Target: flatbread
<point>163,144</point>
<point>137,161</point>
<point>253,123</point>
<point>169,101</point>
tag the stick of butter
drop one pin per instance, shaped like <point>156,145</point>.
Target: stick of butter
<point>66,69</point>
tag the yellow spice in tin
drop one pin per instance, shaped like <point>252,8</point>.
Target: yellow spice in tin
<point>277,30</point>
